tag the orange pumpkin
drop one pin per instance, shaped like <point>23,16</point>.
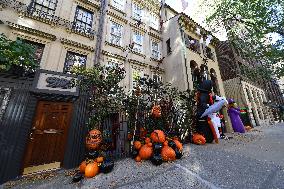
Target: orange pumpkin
<point>138,158</point>
<point>150,144</point>
<point>168,154</point>
<point>100,159</point>
<point>147,140</point>
<point>94,139</point>
<point>145,152</point>
<point>156,111</point>
<point>178,144</point>
<point>92,169</point>
<point>143,132</point>
<point>198,139</point>
<point>82,167</point>
<point>137,145</point>
<point>166,143</point>
<point>158,136</point>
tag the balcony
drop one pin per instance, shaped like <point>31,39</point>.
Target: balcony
<point>48,18</point>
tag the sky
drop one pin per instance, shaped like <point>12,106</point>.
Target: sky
<point>194,11</point>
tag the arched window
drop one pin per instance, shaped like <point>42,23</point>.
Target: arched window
<point>204,72</point>
<point>195,73</point>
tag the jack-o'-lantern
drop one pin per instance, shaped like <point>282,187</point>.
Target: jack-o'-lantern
<point>156,111</point>
<point>94,139</point>
<point>158,136</point>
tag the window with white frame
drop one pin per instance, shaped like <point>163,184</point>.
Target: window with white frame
<point>138,42</point>
<point>83,20</point>
<point>154,21</point>
<point>155,50</point>
<point>119,4</point>
<point>137,11</point>
<point>157,78</point>
<point>116,33</point>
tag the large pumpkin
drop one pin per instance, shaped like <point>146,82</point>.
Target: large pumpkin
<point>92,169</point>
<point>158,136</point>
<point>178,145</point>
<point>83,167</point>
<point>156,111</point>
<point>145,152</point>
<point>198,139</point>
<point>168,154</point>
<point>94,139</point>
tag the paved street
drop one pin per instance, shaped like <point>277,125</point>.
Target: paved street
<point>251,160</point>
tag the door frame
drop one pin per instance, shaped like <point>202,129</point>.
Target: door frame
<point>30,130</point>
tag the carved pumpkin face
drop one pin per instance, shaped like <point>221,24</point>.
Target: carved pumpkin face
<point>94,139</point>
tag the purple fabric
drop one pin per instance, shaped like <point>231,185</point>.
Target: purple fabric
<point>237,123</point>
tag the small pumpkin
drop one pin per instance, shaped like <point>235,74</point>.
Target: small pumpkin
<point>143,132</point>
<point>168,154</point>
<point>198,139</point>
<point>178,145</point>
<point>92,169</point>
<point>145,152</point>
<point>147,140</point>
<point>156,111</point>
<point>150,144</point>
<point>138,158</point>
<point>158,136</point>
<point>137,145</point>
<point>166,143</point>
<point>100,159</point>
<point>82,166</point>
<point>94,139</point>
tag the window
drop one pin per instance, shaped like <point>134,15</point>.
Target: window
<point>83,21</point>
<point>154,21</point>
<point>155,50</point>
<point>119,4</point>
<point>208,53</point>
<point>116,34</point>
<point>136,76</point>
<point>157,78</point>
<point>137,12</point>
<point>43,8</point>
<point>39,48</point>
<point>168,42</point>
<point>74,59</point>
<point>192,43</point>
<point>138,42</point>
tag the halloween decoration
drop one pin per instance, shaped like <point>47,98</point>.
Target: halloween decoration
<point>138,158</point>
<point>145,152</point>
<point>234,113</point>
<point>134,153</point>
<point>157,147</point>
<point>77,177</point>
<point>172,144</point>
<point>93,154</point>
<point>91,170</point>
<point>157,159</point>
<point>178,145</point>
<point>158,136</point>
<point>168,154</point>
<point>198,139</point>
<point>100,159</point>
<point>94,139</point>
<point>83,167</point>
<point>156,111</point>
<point>178,154</point>
<point>147,140</point>
<point>106,166</point>
<point>137,145</point>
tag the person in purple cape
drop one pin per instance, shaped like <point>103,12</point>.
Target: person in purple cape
<point>234,113</point>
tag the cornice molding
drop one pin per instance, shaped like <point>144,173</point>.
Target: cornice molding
<point>89,5</point>
<point>139,54</point>
<point>112,55</point>
<point>116,46</point>
<point>116,16</point>
<point>157,69</point>
<point>138,28</point>
<point>152,5</point>
<point>116,9</point>
<point>31,31</point>
<point>136,62</point>
<point>155,35</point>
<point>76,44</point>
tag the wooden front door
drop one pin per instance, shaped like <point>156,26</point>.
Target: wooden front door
<point>48,134</point>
